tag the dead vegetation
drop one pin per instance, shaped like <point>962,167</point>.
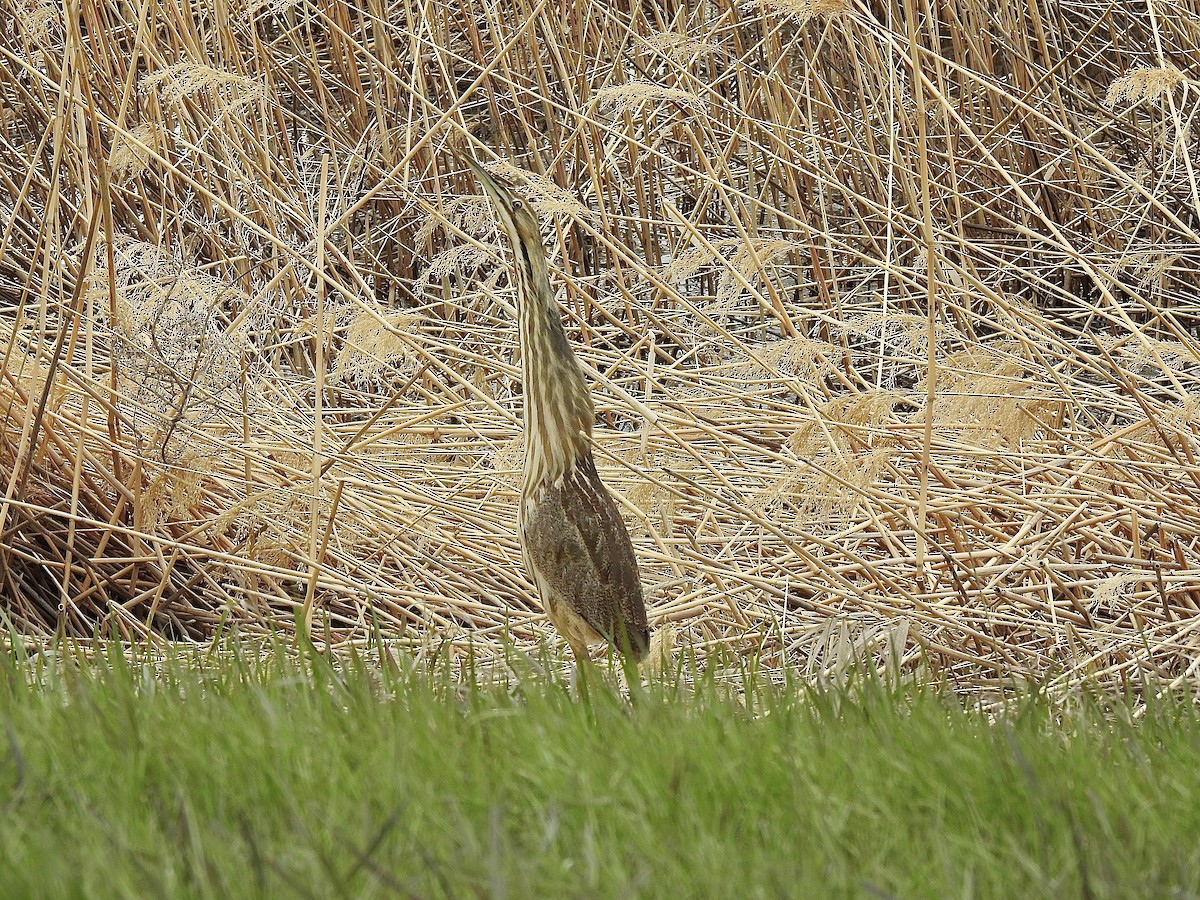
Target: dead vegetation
<point>891,315</point>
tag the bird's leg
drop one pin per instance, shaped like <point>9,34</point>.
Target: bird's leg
<point>581,671</point>
<point>630,672</point>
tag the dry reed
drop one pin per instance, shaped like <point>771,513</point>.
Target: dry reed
<point>889,313</point>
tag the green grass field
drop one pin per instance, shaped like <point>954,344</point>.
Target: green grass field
<point>256,775</point>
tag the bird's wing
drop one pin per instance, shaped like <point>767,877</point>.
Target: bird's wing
<point>578,542</point>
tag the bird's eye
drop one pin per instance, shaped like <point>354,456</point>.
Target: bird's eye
<point>517,204</point>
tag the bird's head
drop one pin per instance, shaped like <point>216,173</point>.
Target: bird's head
<point>515,214</point>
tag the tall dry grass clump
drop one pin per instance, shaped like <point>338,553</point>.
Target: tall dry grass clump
<point>891,313</point>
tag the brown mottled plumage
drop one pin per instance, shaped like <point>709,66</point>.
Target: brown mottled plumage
<point>572,538</point>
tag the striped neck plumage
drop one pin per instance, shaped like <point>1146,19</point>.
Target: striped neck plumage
<point>558,406</point>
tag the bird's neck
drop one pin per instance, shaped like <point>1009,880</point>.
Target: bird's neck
<point>558,406</point>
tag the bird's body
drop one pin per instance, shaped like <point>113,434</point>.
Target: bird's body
<point>573,541</point>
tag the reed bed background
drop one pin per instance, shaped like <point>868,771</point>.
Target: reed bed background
<point>890,313</point>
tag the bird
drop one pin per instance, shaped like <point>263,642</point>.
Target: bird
<point>573,541</point>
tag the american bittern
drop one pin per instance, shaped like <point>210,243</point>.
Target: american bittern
<point>572,538</point>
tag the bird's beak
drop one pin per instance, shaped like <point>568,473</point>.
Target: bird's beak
<point>490,185</point>
<point>475,165</point>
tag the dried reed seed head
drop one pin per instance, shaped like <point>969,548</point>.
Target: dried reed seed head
<point>897,334</point>
<point>1157,275</point>
<point>1151,266</point>
<point>837,463</point>
<point>325,323</point>
<point>156,287</point>
<point>1143,355</point>
<point>656,503</point>
<point>28,371</point>
<point>41,23</point>
<point>1143,84</point>
<point>471,214</point>
<point>803,10</point>
<point>686,264</point>
<point>663,641</point>
<point>177,362</point>
<point>361,159</point>
<point>269,546</point>
<point>1163,356</point>
<point>254,9</point>
<point>277,522</point>
<point>826,489</point>
<point>679,48</point>
<point>373,344</point>
<point>635,96</point>
<point>1172,139</point>
<point>1000,360</point>
<point>849,423</point>
<point>1185,414</point>
<point>750,260</point>
<point>481,379</point>
<point>546,196</point>
<point>229,90</point>
<point>986,398</point>
<point>452,260</point>
<point>920,264</point>
<point>869,408</point>
<point>175,492</point>
<point>799,355</point>
<point>133,150</point>
<point>507,457</point>
<point>1111,594</point>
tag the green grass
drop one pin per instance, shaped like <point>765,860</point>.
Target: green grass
<point>256,776</point>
